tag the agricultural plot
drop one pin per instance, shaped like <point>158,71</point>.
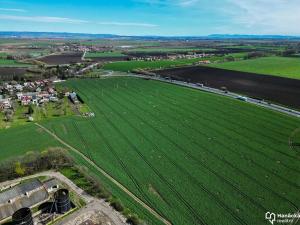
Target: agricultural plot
<point>11,63</point>
<point>104,54</point>
<point>195,157</point>
<point>170,50</point>
<point>280,90</point>
<point>133,65</point>
<point>67,58</point>
<point>23,139</point>
<point>276,66</point>
<point>7,73</point>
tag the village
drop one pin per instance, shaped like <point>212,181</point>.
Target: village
<point>27,101</point>
<point>26,93</point>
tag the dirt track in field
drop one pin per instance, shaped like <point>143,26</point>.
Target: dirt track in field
<point>280,90</point>
<point>100,170</point>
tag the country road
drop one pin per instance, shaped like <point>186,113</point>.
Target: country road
<point>123,188</point>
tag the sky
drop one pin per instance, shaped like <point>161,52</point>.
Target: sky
<point>152,17</point>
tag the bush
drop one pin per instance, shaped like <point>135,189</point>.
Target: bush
<point>34,162</point>
<point>134,220</point>
<point>117,205</point>
<point>253,55</point>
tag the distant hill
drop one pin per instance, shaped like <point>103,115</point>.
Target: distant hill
<point>58,35</point>
<point>12,34</point>
<point>245,36</point>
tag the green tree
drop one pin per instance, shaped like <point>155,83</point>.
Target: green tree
<point>8,115</point>
<point>30,110</point>
<point>19,169</point>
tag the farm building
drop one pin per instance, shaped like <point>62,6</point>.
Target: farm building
<point>73,97</point>
<point>51,185</point>
<point>5,103</point>
<point>25,195</point>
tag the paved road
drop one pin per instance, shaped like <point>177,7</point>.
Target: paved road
<point>87,68</point>
<point>134,197</point>
<point>83,55</point>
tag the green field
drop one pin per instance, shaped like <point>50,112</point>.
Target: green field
<point>132,65</point>
<point>277,66</point>
<point>20,140</point>
<point>197,158</point>
<point>103,54</point>
<point>11,63</point>
<point>214,156</point>
<point>2,55</point>
<point>183,49</point>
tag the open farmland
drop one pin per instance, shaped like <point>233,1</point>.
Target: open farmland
<point>133,65</point>
<point>11,63</point>
<point>171,50</point>
<point>7,73</point>
<point>281,90</point>
<point>103,54</point>
<point>277,66</point>
<point>214,156</point>
<point>23,139</point>
<point>106,56</point>
<point>66,58</point>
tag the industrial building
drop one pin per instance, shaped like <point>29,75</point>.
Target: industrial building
<point>25,195</point>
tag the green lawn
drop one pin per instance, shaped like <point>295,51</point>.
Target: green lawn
<point>47,111</point>
<point>103,54</point>
<point>197,158</point>
<point>277,66</point>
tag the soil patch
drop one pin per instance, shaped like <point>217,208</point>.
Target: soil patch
<point>8,73</point>
<point>67,58</point>
<point>284,91</point>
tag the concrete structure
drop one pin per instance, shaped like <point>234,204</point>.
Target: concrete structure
<point>25,195</point>
<point>22,217</point>
<point>62,201</point>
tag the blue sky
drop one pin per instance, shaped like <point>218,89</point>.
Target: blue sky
<point>152,17</point>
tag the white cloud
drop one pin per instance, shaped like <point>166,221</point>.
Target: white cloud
<point>188,2</point>
<point>180,3</point>
<point>42,19</point>
<point>13,10</point>
<point>266,16</point>
<point>128,24</point>
<point>49,19</point>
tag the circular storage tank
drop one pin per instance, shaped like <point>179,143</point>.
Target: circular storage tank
<point>62,201</point>
<point>22,217</point>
